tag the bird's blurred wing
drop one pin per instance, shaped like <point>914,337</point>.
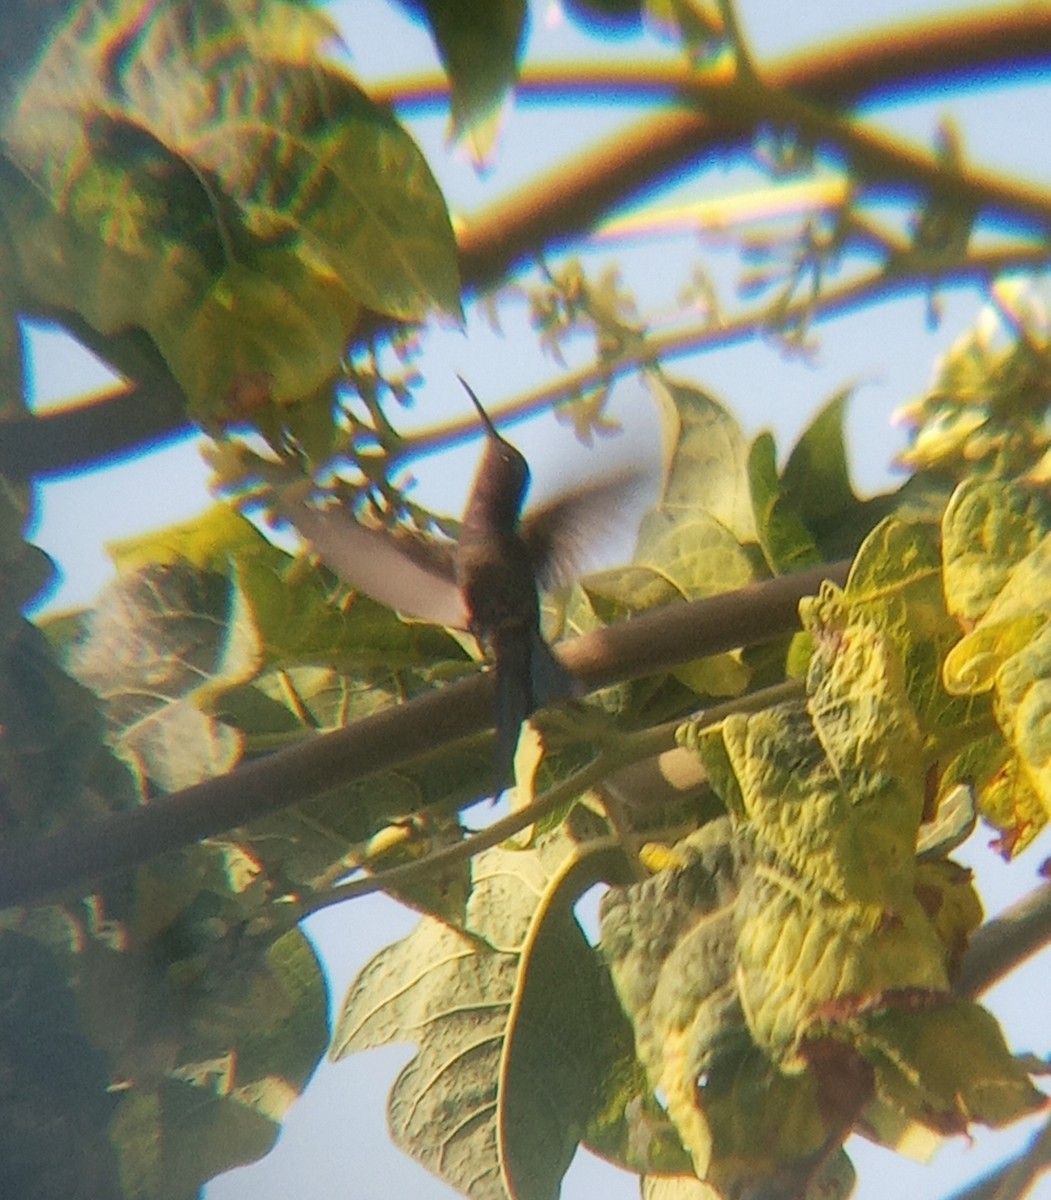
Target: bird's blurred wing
<point>405,573</point>
<point>562,534</point>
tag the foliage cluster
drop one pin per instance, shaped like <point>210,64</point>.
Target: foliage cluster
<point>205,199</point>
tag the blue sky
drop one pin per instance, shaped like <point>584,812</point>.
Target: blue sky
<point>335,1141</point>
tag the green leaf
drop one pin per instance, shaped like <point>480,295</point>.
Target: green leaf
<point>816,479</point>
<point>53,761</point>
<point>222,189</point>
<point>1001,565</point>
<point>896,582</point>
<point>213,638</point>
<point>671,945</point>
<point>835,925</point>
<point>1023,709</point>
<point>480,43</point>
<point>984,415</point>
<point>181,1023</point>
<point>208,1115</point>
<point>815,925</point>
<point>446,989</point>
<point>698,540</point>
<point>696,23</point>
<point>510,1020</point>
<point>920,1068</point>
<point>972,666</point>
<point>787,543</point>
<point>677,1187</point>
<point>707,467</point>
<point>564,1027</point>
<point>151,642</point>
<point>12,360</point>
<point>27,570</point>
<point>174,1139</point>
<point>55,1083</point>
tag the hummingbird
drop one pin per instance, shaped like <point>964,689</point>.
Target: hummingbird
<point>488,583</point>
<point>498,563</point>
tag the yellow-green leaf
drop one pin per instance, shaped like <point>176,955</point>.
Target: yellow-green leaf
<point>987,529</point>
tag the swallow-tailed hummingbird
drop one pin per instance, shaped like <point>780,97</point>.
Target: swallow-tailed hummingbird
<point>497,567</point>
<point>490,581</point>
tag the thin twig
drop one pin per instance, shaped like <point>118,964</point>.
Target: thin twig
<point>872,286</point>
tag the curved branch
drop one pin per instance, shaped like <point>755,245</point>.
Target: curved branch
<point>642,646</point>
<point>570,200</point>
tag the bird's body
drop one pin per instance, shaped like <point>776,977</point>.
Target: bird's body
<point>496,570</point>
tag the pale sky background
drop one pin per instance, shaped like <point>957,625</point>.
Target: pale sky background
<point>335,1142</point>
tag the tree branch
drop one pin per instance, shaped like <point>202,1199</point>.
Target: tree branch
<point>568,201</point>
<point>572,198</point>
<point>1014,1179</point>
<point>1001,944</point>
<point>644,645</point>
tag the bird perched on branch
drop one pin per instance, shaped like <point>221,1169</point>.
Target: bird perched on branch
<point>498,564</point>
<point>490,582</point>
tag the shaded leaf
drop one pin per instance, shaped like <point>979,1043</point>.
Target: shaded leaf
<point>509,1019</point>
<point>54,1091</point>
<point>149,644</point>
<point>480,42</point>
<point>816,478</point>
<point>220,187</point>
<point>677,1187</point>
<point>696,23</point>
<point>208,1114</point>
<point>787,543</point>
<point>193,1032</point>
<point>919,1067</point>
<point>54,765</point>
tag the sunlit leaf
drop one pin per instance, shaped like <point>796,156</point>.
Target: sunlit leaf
<point>707,468</point>
<point>671,945</point>
<point>988,528</point>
